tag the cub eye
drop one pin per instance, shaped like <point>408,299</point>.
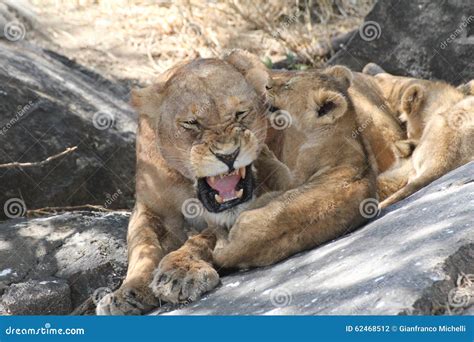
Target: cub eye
<point>190,124</point>
<point>325,108</point>
<point>241,114</point>
<point>268,87</point>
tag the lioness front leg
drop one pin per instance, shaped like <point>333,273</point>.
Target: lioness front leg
<point>148,241</point>
<point>185,274</point>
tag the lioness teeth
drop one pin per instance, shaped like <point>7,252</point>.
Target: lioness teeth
<point>239,193</point>
<point>242,171</point>
<point>218,199</point>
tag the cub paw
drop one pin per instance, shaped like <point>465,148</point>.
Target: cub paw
<point>127,300</point>
<point>180,278</point>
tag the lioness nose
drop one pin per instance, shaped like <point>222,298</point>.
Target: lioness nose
<point>228,159</point>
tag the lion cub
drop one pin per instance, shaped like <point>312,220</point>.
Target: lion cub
<point>440,124</point>
<point>447,142</point>
<point>319,106</point>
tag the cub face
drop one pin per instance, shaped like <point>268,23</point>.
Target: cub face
<point>313,98</point>
<point>210,123</point>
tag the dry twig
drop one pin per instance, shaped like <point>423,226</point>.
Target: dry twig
<point>40,163</point>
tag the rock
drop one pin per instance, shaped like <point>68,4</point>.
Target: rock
<point>46,297</point>
<point>406,261</point>
<point>85,250</point>
<point>435,41</point>
<point>47,104</point>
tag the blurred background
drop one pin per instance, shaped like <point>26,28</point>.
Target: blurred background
<point>67,131</point>
<point>135,39</point>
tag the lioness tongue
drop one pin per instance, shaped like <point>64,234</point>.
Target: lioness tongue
<point>224,185</point>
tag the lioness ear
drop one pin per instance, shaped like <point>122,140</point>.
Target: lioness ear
<point>146,100</point>
<point>342,74</point>
<point>254,71</point>
<point>467,88</point>
<point>413,98</point>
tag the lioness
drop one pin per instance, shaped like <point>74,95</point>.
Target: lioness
<point>201,129</point>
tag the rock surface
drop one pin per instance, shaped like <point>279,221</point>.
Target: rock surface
<point>47,104</point>
<point>82,251</point>
<point>52,296</point>
<point>426,39</point>
<point>405,261</point>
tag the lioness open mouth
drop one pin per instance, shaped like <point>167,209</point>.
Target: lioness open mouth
<point>224,191</point>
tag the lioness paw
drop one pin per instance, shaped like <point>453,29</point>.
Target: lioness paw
<point>126,301</point>
<point>180,278</point>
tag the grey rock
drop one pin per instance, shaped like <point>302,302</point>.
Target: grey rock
<point>403,262</point>
<point>49,103</point>
<point>86,250</point>
<point>427,39</point>
<point>34,297</point>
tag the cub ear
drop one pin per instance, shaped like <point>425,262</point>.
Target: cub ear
<point>254,71</point>
<point>404,148</point>
<point>467,88</point>
<point>413,98</point>
<point>342,74</point>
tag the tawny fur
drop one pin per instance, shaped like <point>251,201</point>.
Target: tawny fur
<point>439,117</point>
<point>163,263</point>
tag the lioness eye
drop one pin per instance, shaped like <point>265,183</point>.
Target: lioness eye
<point>326,108</point>
<point>241,114</point>
<point>190,124</point>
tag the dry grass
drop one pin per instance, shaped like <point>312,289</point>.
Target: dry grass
<point>137,39</point>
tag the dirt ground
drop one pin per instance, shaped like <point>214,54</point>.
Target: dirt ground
<point>137,39</point>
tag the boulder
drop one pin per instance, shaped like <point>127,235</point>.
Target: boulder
<point>426,39</point>
<point>49,103</point>
<point>410,259</point>
<point>51,296</point>
<point>82,251</point>
<point>405,261</point>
